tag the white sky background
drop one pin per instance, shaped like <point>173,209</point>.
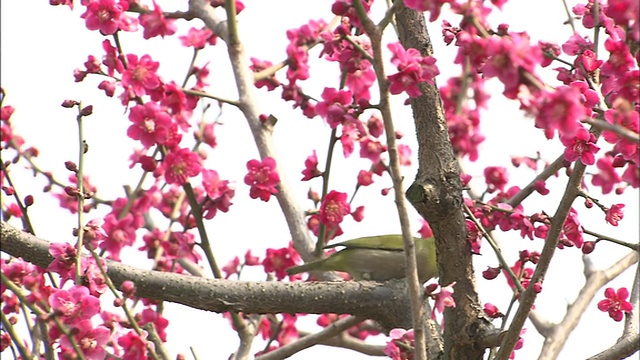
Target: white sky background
<point>42,45</point>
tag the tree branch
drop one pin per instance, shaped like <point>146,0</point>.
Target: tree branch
<point>415,290</point>
<point>261,134</point>
<point>529,296</point>
<point>384,302</point>
<point>437,196</point>
<point>558,334</point>
<point>305,342</point>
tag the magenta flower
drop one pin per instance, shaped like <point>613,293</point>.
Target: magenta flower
<point>335,106</point>
<point>106,15</point>
<point>615,214</point>
<point>278,260</point>
<point>196,37</point>
<point>413,69</point>
<point>371,149</point>
<point>219,193</point>
<point>64,260</point>
<point>496,178</point>
<point>401,345</point>
<point>111,59</point>
<point>151,124</point>
<point>263,178</point>
<point>75,304</point>
<point>180,165</point>
<point>91,341</point>
<point>607,176</point>
<point>560,110</point>
<point>334,208</point>
<point>571,231</point>
<point>141,74</point>
<point>120,233</point>
<point>311,167</point>
<point>154,23</point>
<point>615,303</point>
<point>365,178</point>
<point>581,146</point>
<point>134,345</point>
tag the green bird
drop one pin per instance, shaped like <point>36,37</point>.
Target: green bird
<point>378,258</point>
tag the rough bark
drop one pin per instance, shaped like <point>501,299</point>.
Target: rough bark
<point>387,303</point>
<point>437,195</point>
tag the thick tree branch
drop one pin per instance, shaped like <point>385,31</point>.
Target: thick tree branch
<point>437,195</point>
<point>415,290</point>
<point>385,303</point>
<point>622,349</point>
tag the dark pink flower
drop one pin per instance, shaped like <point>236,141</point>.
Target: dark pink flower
<point>111,59</point>
<point>180,165</point>
<point>106,15</point>
<point>425,231</point>
<point>134,345</point>
<point>160,322</point>
<point>580,146</point>
<point>154,23</point>
<point>311,167</point>
<point>278,260</point>
<point>432,6</point>
<point>541,187</point>
<point>64,260</point>
<point>413,69</point>
<point>335,107</point>
<point>496,178</point>
<point>560,110</point>
<point>365,178</point>
<point>607,176</point>
<point>75,304</point>
<point>576,45</point>
<point>623,115</point>
<point>218,191</point>
<point>375,126</point>
<point>263,178</point>
<point>120,233</point>
<point>91,341</point>
<point>491,273</point>
<point>181,245</point>
<point>371,149</point>
<point>258,65</point>
<point>615,303</point>
<point>632,175</point>
<point>588,61</point>
<point>443,298</point>
<point>350,133</point>
<point>615,214</point>
<point>334,207</point>
<point>232,267</point>
<point>404,154</point>
<point>71,202</point>
<point>492,311</point>
<point>250,259</point>
<point>571,231</point>
<point>509,56</point>
<point>141,74</point>
<point>151,124</point>
<point>196,37</point>
<point>401,345</point>
<point>358,214</point>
